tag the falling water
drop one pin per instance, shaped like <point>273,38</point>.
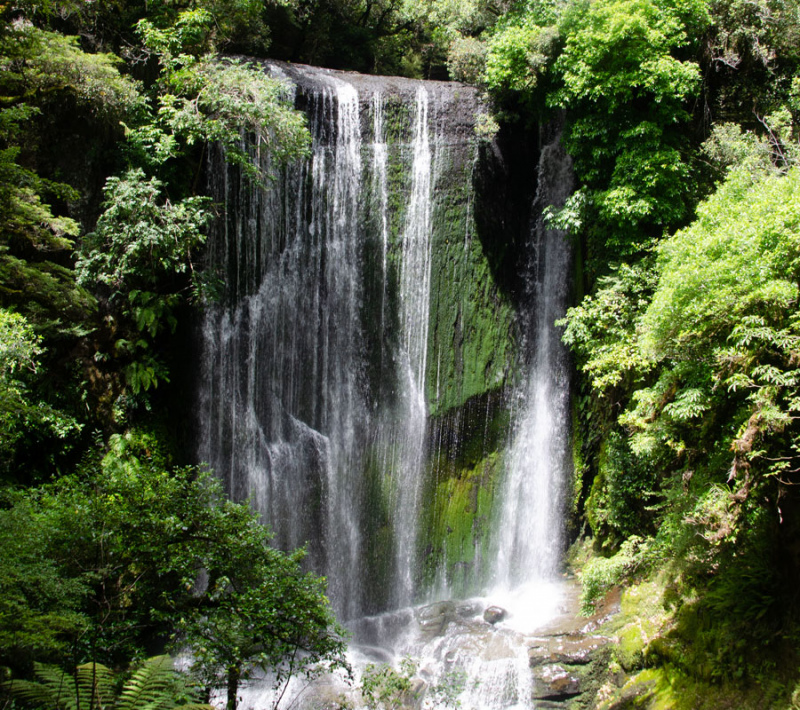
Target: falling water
<point>380,184</point>
<point>530,536</point>
<point>316,387</point>
<point>415,284</point>
<point>283,408</point>
<point>308,385</point>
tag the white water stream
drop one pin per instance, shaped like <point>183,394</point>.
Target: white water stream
<point>287,416</point>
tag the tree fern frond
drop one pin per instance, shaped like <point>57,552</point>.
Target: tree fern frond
<point>96,686</point>
<point>150,686</point>
<point>32,693</point>
<point>153,686</point>
<point>55,689</point>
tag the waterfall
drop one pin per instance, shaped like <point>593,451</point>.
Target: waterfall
<point>358,368</point>
<point>283,409</point>
<point>315,362</point>
<point>530,534</point>
<point>415,284</point>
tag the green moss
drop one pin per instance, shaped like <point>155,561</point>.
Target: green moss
<point>467,460</point>
<point>579,465</point>
<point>473,338</point>
<point>458,525</point>
<point>668,688</point>
<point>378,536</point>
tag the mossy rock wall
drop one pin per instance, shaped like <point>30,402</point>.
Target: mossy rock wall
<point>474,353</point>
<point>465,466</point>
<point>472,342</point>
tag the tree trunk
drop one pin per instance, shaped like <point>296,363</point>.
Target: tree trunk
<point>234,674</point>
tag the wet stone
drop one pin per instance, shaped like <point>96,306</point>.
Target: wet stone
<point>468,609</point>
<point>571,649</point>
<point>554,682</point>
<point>494,614</point>
<point>434,618</point>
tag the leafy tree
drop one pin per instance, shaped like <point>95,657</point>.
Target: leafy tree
<point>722,322</point>
<point>37,63</point>
<point>627,83</point>
<point>141,244</point>
<point>200,98</point>
<point>40,607</point>
<point>21,416</point>
<point>143,552</point>
<point>521,48</point>
<point>279,623</point>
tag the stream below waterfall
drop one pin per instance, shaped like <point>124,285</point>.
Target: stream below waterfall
<point>386,384</point>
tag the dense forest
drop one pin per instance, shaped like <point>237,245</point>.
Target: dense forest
<point>681,124</point>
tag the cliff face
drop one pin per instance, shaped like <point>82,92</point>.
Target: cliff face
<point>357,370</point>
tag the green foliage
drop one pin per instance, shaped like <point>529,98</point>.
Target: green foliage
<point>752,50</point>
<point>602,329</point>
<point>385,688</point>
<point>627,90</point>
<point>20,414</point>
<point>722,321</point>
<point>40,609</point>
<point>466,60</point>
<point>626,71</point>
<point>31,234</point>
<point>624,492</point>
<point>121,546</point>
<point>36,63</point>
<point>141,243</point>
<point>518,55</point>
<point>204,99</point>
<point>696,356</point>
<point>602,573</point>
<point>141,239</point>
<point>215,102</point>
<point>153,685</point>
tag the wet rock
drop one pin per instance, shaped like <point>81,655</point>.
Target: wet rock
<point>633,695</point>
<point>413,697</point>
<point>468,609</point>
<point>434,618</point>
<point>554,682</point>
<point>494,614</point>
<point>570,649</point>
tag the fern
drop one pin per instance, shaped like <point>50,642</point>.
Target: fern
<point>153,686</point>
<point>146,685</point>
<point>95,684</point>
<point>90,687</point>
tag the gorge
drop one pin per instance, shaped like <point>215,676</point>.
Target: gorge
<point>281,388</point>
<point>382,376</point>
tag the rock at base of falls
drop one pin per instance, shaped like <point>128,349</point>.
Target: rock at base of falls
<point>574,650</point>
<point>494,614</point>
<point>569,656</point>
<point>554,682</point>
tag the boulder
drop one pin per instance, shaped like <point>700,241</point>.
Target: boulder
<point>554,682</point>
<point>569,649</point>
<point>494,614</point>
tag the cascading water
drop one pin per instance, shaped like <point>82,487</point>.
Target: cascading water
<point>493,661</point>
<point>334,347</point>
<point>530,537</point>
<point>415,284</point>
<point>313,400</point>
<point>284,408</point>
